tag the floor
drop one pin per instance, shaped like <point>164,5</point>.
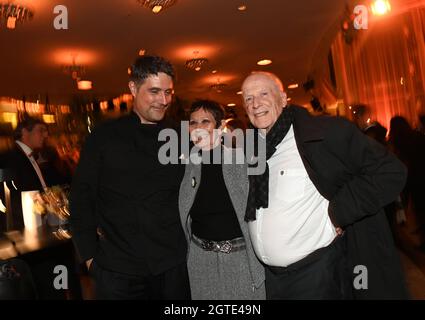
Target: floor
<point>408,238</point>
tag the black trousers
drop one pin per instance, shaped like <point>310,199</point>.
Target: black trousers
<point>321,275</point>
<point>172,284</point>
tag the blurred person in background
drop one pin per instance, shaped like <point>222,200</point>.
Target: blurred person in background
<point>409,146</point>
<point>30,137</point>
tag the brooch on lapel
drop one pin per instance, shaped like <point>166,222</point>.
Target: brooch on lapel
<point>193,182</point>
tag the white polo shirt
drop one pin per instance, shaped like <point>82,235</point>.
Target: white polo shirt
<point>296,221</point>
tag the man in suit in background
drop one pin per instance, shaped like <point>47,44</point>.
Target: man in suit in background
<point>30,136</point>
<point>124,202</point>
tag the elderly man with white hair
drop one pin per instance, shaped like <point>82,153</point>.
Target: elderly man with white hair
<point>316,214</point>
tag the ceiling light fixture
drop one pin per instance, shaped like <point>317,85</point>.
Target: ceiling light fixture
<point>231,104</point>
<point>76,71</point>
<point>156,6</point>
<point>242,7</point>
<point>219,87</point>
<point>381,7</point>
<point>293,86</point>
<point>264,62</point>
<point>14,13</point>
<point>196,63</point>
<point>84,85</point>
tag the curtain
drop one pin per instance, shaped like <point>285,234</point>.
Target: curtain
<point>384,67</point>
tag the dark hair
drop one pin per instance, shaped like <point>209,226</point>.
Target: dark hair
<point>399,125</point>
<point>316,105</point>
<point>27,123</point>
<point>376,131</point>
<point>212,107</point>
<point>145,66</point>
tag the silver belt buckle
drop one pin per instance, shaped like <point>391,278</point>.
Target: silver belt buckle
<point>225,247</point>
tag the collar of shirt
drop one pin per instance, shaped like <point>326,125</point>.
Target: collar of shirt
<point>28,151</point>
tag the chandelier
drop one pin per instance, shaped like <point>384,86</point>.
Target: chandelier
<point>156,6</point>
<point>12,13</point>
<point>219,87</point>
<point>196,63</point>
<point>74,70</point>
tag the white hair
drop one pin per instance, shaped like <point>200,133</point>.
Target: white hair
<point>278,83</point>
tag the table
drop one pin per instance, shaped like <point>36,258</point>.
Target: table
<point>43,249</point>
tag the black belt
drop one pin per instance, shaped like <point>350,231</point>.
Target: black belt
<point>312,257</point>
<point>225,246</point>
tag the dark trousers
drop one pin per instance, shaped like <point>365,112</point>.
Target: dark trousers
<point>321,275</point>
<point>172,284</point>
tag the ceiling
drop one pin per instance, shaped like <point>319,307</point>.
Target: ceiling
<point>107,35</point>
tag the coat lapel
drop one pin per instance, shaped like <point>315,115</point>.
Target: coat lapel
<point>236,181</point>
<point>188,190</point>
<point>308,133</point>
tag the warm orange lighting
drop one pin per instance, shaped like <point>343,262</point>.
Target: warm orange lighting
<point>129,70</point>
<point>84,85</point>
<point>231,104</point>
<point>293,86</point>
<point>214,71</point>
<point>142,52</point>
<point>187,51</point>
<point>239,92</point>
<point>11,23</point>
<point>381,7</point>
<point>264,62</point>
<point>80,56</point>
<point>197,68</point>
<point>156,9</point>
<point>10,117</point>
<point>49,118</point>
<point>288,99</point>
<point>127,97</point>
<point>242,7</point>
<point>210,79</point>
<point>65,109</point>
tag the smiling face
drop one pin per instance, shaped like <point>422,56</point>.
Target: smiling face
<point>201,129</point>
<point>264,100</point>
<point>152,97</point>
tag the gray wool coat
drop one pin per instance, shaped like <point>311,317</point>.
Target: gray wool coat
<point>237,184</point>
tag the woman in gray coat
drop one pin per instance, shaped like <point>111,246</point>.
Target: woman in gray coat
<point>212,201</point>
